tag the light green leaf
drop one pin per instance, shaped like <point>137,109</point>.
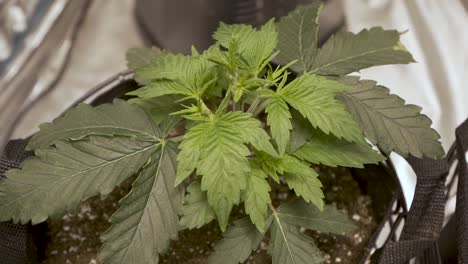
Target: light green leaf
<point>299,213</point>
<point>389,123</point>
<point>289,246</point>
<point>314,97</point>
<point>278,118</point>
<point>238,243</point>
<point>272,166</point>
<point>60,177</point>
<point>298,36</point>
<point>196,212</point>
<point>147,218</point>
<point>140,57</point>
<point>346,52</point>
<point>257,198</point>
<point>175,74</point>
<point>303,180</point>
<point>118,118</point>
<point>217,149</point>
<point>255,46</point>
<point>331,151</point>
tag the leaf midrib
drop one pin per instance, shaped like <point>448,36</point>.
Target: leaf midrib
<point>348,58</point>
<point>277,219</point>
<point>52,134</point>
<point>155,180</point>
<point>78,173</point>
<point>314,219</point>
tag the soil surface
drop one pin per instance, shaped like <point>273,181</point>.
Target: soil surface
<point>75,237</point>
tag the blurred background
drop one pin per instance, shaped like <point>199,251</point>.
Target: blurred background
<point>54,52</point>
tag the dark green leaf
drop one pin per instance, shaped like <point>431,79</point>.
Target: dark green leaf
<point>297,36</point>
<point>159,107</point>
<point>59,178</point>
<point>346,52</point>
<point>140,57</point>
<point>331,151</point>
<point>389,123</point>
<point>147,218</point>
<point>196,212</point>
<point>299,213</point>
<point>238,243</point>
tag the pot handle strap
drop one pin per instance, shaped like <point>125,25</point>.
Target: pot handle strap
<point>461,212</point>
<point>425,217</point>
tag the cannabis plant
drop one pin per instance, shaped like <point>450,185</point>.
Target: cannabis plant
<point>215,130</point>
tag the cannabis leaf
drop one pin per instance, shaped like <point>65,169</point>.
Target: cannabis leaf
<point>238,243</point>
<point>175,74</point>
<point>159,107</point>
<point>331,151</point>
<point>62,176</point>
<point>303,180</point>
<point>140,57</point>
<point>301,131</point>
<point>196,211</point>
<point>346,52</point>
<point>390,123</point>
<point>297,34</point>
<point>254,45</point>
<point>329,220</point>
<point>118,118</point>
<point>278,118</point>
<point>298,174</point>
<point>288,245</point>
<point>217,148</point>
<point>257,197</point>
<point>314,97</point>
<point>147,219</point>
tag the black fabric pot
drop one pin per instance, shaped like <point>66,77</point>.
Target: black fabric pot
<point>422,223</point>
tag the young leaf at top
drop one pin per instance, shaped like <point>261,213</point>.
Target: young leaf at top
<point>297,36</point>
<point>238,243</point>
<point>314,97</point>
<point>388,122</point>
<point>255,46</point>
<point>288,245</point>
<point>346,52</point>
<point>196,211</point>
<point>278,119</point>
<point>217,149</point>
<point>57,179</point>
<point>256,197</point>
<point>331,151</point>
<point>118,118</point>
<point>147,219</point>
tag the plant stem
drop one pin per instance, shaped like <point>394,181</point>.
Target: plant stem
<point>254,105</point>
<point>225,101</point>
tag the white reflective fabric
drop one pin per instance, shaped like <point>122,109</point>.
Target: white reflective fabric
<point>437,36</point>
